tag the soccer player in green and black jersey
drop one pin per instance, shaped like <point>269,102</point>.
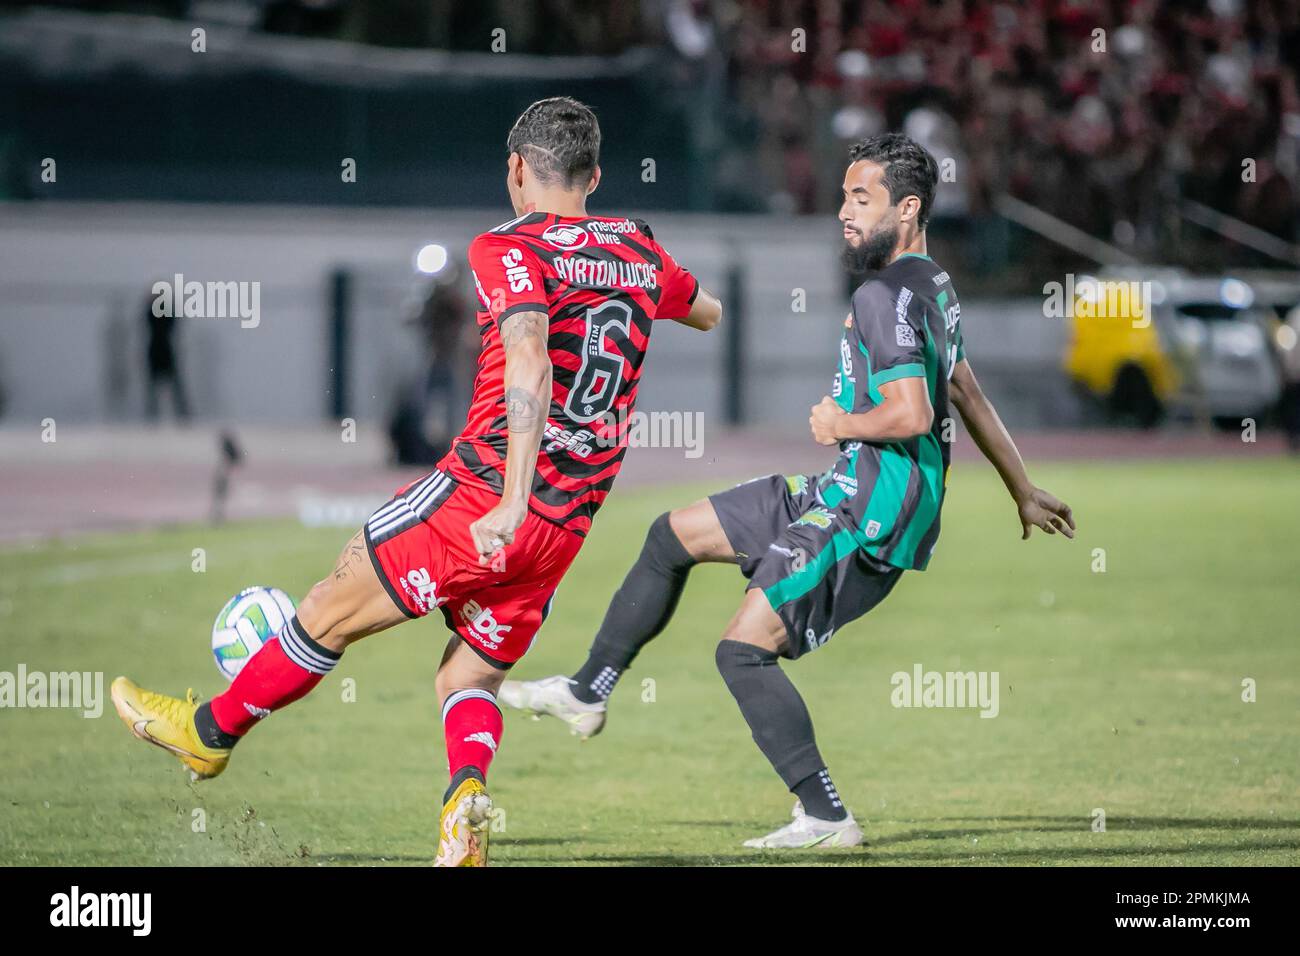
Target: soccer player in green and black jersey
<point>820,551</point>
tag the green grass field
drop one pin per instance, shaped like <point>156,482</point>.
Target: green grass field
<point>1119,690</point>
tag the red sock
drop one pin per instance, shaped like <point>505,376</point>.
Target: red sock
<point>472,724</point>
<point>283,670</point>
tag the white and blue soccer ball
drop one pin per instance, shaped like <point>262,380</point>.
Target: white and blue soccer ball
<point>249,619</point>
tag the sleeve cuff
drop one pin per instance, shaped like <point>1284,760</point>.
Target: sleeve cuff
<point>522,307</point>
<point>910,370</point>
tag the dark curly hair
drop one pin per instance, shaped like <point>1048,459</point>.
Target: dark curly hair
<point>910,170</point>
<point>560,138</point>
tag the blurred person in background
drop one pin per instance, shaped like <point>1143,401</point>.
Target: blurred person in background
<point>160,361</point>
<point>430,409</point>
<point>1286,340</point>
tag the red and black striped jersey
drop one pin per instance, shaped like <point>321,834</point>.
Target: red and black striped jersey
<point>603,281</point>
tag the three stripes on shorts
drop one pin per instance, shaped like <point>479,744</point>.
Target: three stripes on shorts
<point>412,507</point>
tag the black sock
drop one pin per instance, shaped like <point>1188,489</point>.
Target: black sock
<point>461,775</point>
<point>209,732</point>
<point>640,609</point>
<point>776,716</point>
<point>819,797</point>
<point>595,680</point>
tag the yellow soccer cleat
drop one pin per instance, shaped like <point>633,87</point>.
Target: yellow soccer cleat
<point>168,722</point>
<point>463,836</point>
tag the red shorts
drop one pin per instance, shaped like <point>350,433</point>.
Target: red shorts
<point>422,550</point>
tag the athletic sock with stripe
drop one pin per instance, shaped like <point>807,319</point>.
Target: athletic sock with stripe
<point>471,723</point>
<point>285,669</point>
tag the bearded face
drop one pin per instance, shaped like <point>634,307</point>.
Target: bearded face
<point>872,252</point>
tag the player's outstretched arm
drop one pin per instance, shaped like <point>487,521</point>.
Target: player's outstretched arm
<point>528,400</point>
<point>706,312</point>
<point>1038,508</point>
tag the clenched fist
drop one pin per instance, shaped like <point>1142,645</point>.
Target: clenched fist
<point>495,530</point>
<point>824,416</point>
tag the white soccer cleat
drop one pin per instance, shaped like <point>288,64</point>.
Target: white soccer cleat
<point>551,696</point>
<point>804,832</point>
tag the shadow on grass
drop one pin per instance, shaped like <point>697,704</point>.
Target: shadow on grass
<point>889,849</point>
<point>1030,856</point>
<point>865,857</point>
<point>752,858</point>
<point>1143,823</point>
<point>498,843</point>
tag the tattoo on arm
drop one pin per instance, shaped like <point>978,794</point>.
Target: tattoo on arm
<point>523,325</point>
<point>522,410</point>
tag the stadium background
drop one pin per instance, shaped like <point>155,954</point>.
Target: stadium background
<point>725,125</point>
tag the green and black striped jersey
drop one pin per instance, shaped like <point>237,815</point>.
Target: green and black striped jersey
<point>905,322</point>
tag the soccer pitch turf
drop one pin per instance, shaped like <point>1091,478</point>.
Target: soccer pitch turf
<point>1119,691</point>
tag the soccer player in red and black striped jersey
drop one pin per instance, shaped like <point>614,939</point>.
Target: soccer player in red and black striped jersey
<point>569,302</point>
<point>602,282</point>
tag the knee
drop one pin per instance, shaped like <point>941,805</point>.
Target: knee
<point>454,676</point>
<point>324,618</point>
<point>724,656</point>
<point>665,547</point>
<point>312,607</point>
<point>733,657</point>
<point>451,679</point>
<point>444,684</point>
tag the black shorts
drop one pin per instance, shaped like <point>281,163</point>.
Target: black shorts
<point>800,554</point>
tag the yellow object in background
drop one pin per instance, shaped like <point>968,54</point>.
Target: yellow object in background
<point>1111,327</point>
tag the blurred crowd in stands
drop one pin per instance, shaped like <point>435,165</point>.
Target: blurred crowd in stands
<point>1108,114</point>
<point>1105,113</point>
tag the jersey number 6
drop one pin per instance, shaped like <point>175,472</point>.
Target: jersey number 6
<point>600,377</point>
